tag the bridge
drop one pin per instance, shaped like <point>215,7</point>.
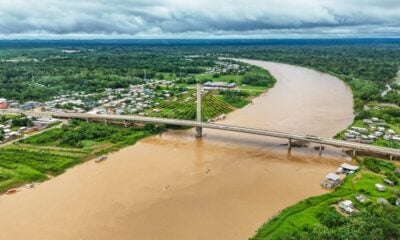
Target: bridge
<point>199,125</point>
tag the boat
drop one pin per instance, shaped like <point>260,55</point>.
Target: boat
<point>11,191</point>
<point>101,158</point>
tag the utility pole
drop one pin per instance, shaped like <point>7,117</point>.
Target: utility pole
<point>199,130</point>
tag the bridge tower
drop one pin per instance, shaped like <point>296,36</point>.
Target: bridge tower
<point>199,130</point>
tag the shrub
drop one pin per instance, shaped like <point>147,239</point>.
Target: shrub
<point>372,164</point>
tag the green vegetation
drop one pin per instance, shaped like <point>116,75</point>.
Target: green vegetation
<point>51,152</point>
<point>316,217</point>
<point>41,73</point>
<point>237,99</point>
<point>183,106</point>
<point>390,117</point>
<point>254,76</point>
<point>21,122</point>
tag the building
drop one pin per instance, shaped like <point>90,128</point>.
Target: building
<point>348,169</point>
<point>219,85</point>
<point>3,103</point>
<point>29,106</point>
<point>389,182</point>
<point>43,122</point>
<point>331,180</point>
<point>362,198</point>
<point>380,187</point>
<point>346,206</point>
<point>367,121</point>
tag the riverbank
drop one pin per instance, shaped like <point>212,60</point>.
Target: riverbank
<point>44,155</point>
<point>223,186</point>
<point>317,217</point>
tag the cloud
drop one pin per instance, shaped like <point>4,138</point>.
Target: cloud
<point>169,18</point>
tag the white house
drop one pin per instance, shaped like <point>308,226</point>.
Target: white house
<point>347,206</point>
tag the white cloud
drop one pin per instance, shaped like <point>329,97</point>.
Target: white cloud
<point>159,18</point>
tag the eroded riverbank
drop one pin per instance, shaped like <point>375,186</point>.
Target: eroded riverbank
<point>176,187</point>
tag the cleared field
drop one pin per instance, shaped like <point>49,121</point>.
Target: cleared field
<point>184,105</point>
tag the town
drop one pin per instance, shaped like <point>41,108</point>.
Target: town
<point>372,131</point>
<point>142,100</point>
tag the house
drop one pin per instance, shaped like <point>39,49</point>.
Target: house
<point>331,180</point>
<point>348,169</point>
<point>3,103</point>
<point>43,122</point>
<point>367,121</point>
<point>339,170</point>
<point>349,136</point>
<point>362,198</point>
<point>219,85</point>
<point>396,138</point>
<point>379,187</point>
<point>346,206</point>
<point>382,201</point>
<point>389,182</point>
<point>359,129</point>
<point>391,131</point>
<point>387,137</point>
<point>29,106</point>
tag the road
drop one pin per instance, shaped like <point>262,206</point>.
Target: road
<point>390,152</point>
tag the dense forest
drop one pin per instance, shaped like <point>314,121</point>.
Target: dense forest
<point>38,70</point>
<point>36,74</point>
<point>366,68</point>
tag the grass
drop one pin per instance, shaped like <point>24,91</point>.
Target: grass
<point>306,212</point>
<point>50,153</point>
<point>238,79</point>
<point>220,78</point>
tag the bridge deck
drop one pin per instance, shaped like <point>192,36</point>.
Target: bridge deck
<point>262,132</point>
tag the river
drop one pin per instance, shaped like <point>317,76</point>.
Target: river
<point>174,186</point>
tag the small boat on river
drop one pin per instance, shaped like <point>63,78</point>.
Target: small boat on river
<point>11,191</point>
<point>101,158</point>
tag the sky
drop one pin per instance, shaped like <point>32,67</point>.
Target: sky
<point>87,19</point>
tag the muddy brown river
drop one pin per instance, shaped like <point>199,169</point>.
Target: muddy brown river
<point>174,186</point>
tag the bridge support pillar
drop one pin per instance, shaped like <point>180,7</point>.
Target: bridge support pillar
<point>199,130</point>
<point>320,150</point>
<point>290,144</point>
<point>105,121</point>
<point>391,158</point>
<point>354,153</point>
<point>125,123</point>
<point>87,120</point>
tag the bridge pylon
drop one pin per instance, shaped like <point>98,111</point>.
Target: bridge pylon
<point>199,130</point>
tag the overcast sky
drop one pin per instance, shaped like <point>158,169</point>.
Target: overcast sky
<point>198,18</point>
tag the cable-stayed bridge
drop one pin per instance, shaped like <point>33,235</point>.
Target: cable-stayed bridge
<point>199,125</point>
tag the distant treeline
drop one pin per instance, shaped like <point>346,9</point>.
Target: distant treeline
<point>37,70</point>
